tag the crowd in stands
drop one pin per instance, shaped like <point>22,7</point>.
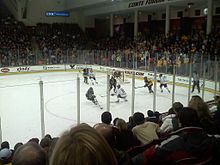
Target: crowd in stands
<point>183,136</point>
<point>57,43</point>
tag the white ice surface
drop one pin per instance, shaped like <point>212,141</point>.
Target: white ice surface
<point>20,103</point>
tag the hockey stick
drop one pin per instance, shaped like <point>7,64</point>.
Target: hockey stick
<point>138,87</point>
<point>99,105</point>
<point>103,95</point>
<point>106,95</point>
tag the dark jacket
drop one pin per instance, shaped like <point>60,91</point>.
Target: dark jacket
<point>187,144</point>
<point>90,93</point>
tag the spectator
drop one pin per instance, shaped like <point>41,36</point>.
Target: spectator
<point>151,117</point>
<point>177,106</point>
<point>5,156</point>
<point>145,132</point>
<point>168,122</point>
<point>48,136</point>
<point>115,120</point>
<point>34,140</point>
<point>131,123</point>
<point>205,117</point>
<point>111,134</point>
<point>17,145</point>
<point>106,117</point>
<point>126,139</point>
<point>158,116</point>
<point>45,144</point>
<point>52,146</point>
<point>5,144</point>
<point>190,144</point>
<point>216,116</point>
<point>82,145</point>
<point>30,153</point>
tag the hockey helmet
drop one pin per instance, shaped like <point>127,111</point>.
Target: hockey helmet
<point>118,86</point>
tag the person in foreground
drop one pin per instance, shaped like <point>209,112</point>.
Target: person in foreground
<point>30,154</point>
<point>188,145</point>
<point>82,145</point>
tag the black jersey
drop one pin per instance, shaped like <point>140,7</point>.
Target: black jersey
<point>90,93</point>
<point>113,81</point>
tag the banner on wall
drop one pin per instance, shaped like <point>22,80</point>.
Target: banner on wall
<point>144,3</point>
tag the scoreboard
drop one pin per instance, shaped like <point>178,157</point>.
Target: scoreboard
<point>57,13</point>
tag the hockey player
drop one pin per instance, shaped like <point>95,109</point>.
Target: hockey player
<point>91,96</point>
<point>196,82</point>
<point>85,75</point>
<point>112,83</point>
<point>163,82</point>
<point>120,92</point>
<point>92,76</point>
<point>148,83</point>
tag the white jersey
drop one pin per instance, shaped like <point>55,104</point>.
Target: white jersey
<point>121,92</point>
<point>163,79</point>
<point>91,74</point>
<point>195,77</point>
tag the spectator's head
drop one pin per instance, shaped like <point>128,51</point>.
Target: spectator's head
<point>188,117</point>
<point>34,140</point>
<point>45,144</point>
<point>131,122</point>
<point>171,111</point>
<point>150,113</point>
<point>130,119</point>
<point>115,120</point>
<point>157,114</point>
<point>30,153</point>
<point>17,145</point>
<point>202,109</point>
<point>138,118</point>
<point>82,145</point>
<point>5,155</point>
<point>5,144</point>
<point>121,124</point>
<point>177,106</point>
<point>106,117</point>
<point>48,136</point>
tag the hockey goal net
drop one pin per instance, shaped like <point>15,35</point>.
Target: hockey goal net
<point>121,77</point>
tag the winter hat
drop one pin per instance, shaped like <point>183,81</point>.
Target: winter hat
<point>5,153</point>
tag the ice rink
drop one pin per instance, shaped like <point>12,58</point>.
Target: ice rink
<point>20,103</point>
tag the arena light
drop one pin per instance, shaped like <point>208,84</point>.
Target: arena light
<point>190,4</point>
<point>205,11</point>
